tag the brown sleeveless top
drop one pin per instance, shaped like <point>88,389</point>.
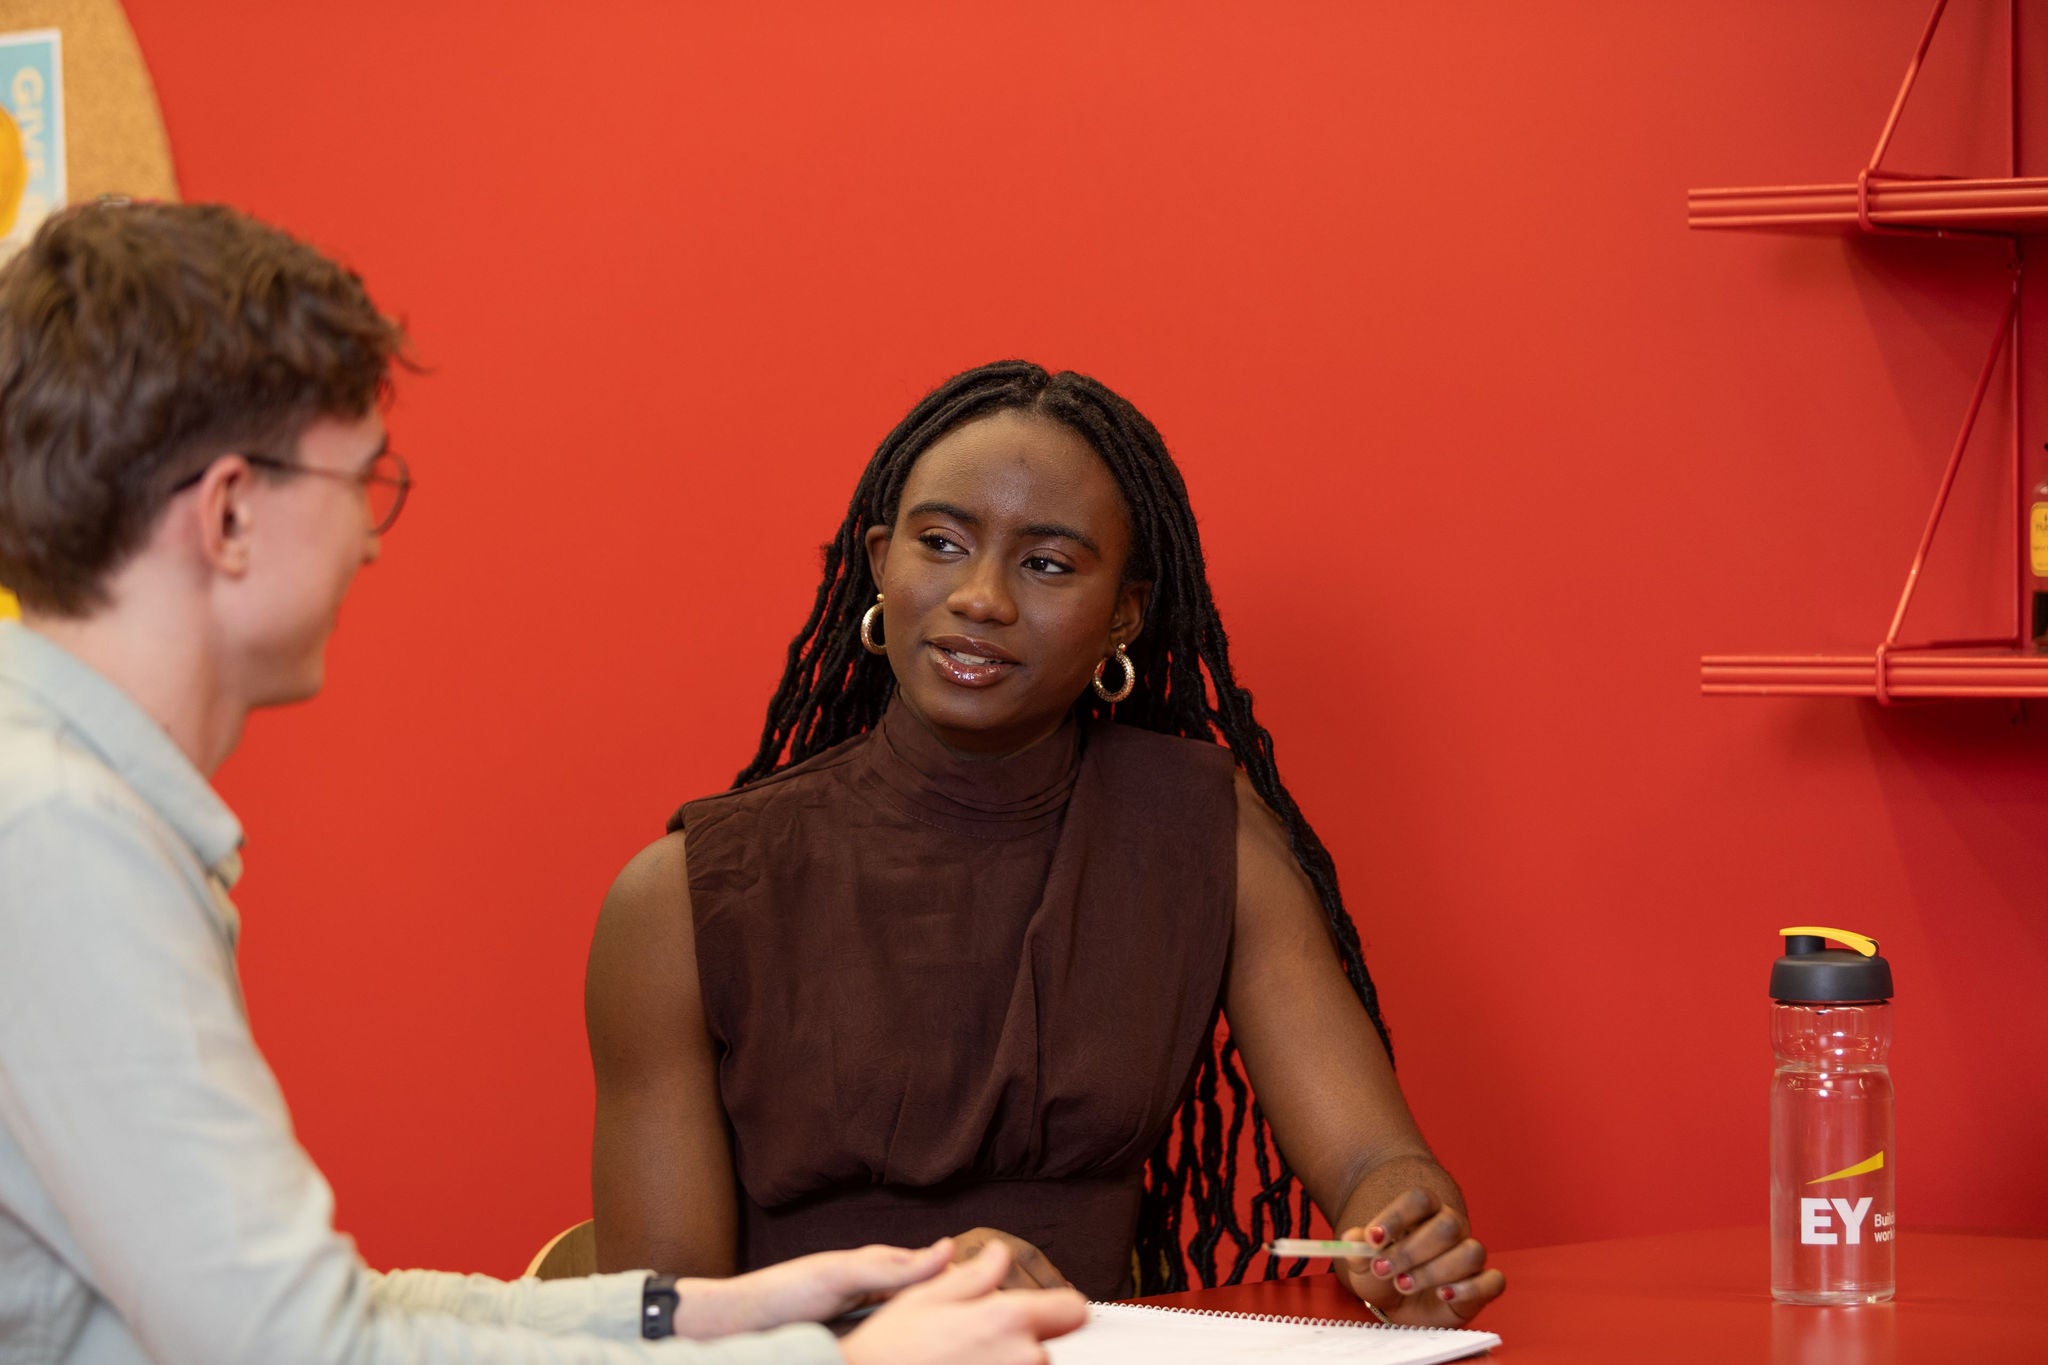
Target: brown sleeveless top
<point>952,992</point>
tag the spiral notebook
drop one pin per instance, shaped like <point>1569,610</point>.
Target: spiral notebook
<point>1140,1334</point>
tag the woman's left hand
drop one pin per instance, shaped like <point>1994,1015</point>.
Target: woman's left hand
<point>1030,1268</point>
<point>1429,1270</point>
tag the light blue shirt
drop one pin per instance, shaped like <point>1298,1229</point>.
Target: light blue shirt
<point>154,1202</point>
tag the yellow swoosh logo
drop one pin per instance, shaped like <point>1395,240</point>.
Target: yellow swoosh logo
<point>1863,1167</point>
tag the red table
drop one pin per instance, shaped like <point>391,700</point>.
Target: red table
<point>1705,1296</point>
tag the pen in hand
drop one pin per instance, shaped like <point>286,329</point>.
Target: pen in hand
<point>1319,1246</point>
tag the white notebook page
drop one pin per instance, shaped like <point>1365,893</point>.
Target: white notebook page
<point>1135,1334</point>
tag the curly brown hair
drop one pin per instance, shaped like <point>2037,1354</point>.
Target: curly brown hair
<point>138,342</point>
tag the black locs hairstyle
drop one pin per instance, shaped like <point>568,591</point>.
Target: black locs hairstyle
<point>832,690</point>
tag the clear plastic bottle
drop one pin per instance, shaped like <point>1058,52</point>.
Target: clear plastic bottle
<point>1834,1220</point>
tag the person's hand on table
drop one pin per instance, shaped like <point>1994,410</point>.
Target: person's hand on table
<point>1029,1267</point>
<point>806,1289</point>
<point>955,1318</point>
<point>1429,1271</point>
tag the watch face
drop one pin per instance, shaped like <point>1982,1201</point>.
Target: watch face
<point>658,1307</point>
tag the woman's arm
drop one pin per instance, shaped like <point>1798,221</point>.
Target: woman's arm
<point>661,1163</point>
<point>1328,1088</point>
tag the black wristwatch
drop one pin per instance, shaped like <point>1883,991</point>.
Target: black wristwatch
<point>658,1303</point>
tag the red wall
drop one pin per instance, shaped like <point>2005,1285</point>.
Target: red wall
<point>1489,449</point>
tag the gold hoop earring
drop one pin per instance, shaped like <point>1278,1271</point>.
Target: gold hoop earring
<point>1130,678</point>
<point>867,628</point>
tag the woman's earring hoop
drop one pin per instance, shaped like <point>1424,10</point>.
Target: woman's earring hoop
<point>867,631</point>
<point>1130,678</point>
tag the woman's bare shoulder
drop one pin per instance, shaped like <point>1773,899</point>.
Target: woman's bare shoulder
<point>644,946</point>
<point>656,879</point>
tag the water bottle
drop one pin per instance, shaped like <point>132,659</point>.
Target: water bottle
<point>1833,1218</point>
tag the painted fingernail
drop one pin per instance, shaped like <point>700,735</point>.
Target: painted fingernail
<point>1377,1235</point>
<point>1404,1282</point>
<point>1383,1267</point>
<point>1447,1293</point>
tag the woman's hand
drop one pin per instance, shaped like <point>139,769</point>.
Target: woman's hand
<point>955,1318</point>
<point>806,1289</point>
<point>1429,1271</point>
<point>1029,1267</point>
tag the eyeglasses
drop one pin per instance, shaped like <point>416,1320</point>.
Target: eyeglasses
<point>385,482</point>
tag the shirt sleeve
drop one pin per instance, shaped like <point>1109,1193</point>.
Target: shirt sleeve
<point>164,1167</point>
<point>601,1305</point>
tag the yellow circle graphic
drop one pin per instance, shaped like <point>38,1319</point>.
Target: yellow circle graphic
<point>13,172</point>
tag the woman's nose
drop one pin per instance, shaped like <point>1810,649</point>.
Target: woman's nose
<point>983,594</point>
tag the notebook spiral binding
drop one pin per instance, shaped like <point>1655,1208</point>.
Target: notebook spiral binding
<point>1290,1321</point>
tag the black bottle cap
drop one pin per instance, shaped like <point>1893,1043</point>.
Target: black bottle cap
<point>1811,973</point>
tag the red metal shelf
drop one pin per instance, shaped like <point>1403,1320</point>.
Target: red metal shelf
<point>2001,207</point>
<point>1916,673</point>
<point>1883,202</point>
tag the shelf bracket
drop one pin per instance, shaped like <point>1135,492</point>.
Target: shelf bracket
<point>2008,326</point>
<point>1897,671</point>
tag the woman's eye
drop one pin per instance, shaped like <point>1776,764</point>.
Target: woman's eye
<point>933,540</point>
<point>1041,564</point>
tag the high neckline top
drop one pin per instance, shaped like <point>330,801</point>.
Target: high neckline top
<point>949,991</point>
<point>1006,796</point>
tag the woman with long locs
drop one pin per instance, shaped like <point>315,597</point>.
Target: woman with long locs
<point>992,938</point>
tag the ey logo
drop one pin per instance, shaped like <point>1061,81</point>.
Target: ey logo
<point>1817,1217</point>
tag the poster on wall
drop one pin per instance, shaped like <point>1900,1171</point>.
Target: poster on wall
<point>32,162</point>
<point>32,182</point>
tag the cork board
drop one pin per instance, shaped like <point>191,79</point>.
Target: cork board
<point>114,132</point>
<point>114,139</point>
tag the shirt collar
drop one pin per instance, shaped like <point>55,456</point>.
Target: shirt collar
<point>107,721</point>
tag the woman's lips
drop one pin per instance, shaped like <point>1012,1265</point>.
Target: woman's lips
<point>968,662</point>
